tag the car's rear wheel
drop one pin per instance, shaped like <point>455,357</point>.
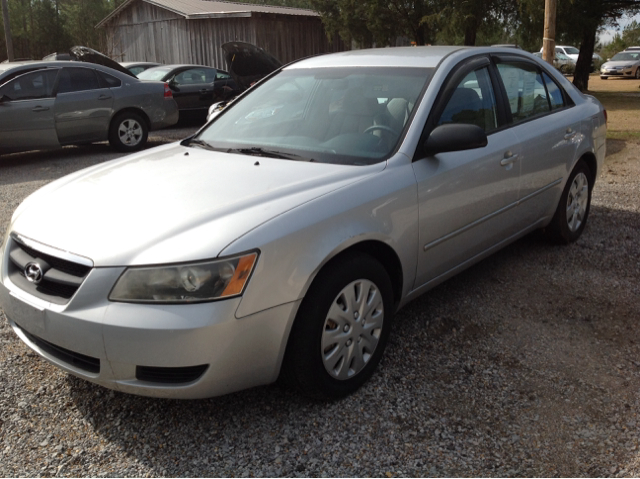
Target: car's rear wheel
<point>570,217</point>
<point>341,328</point>
<point>128,132</point>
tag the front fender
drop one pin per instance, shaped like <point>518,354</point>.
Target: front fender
<point>296,245</point>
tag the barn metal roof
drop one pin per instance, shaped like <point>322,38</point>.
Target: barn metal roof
<point>192,9</point>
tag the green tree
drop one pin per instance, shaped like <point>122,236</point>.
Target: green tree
<point>379,21</point>
<point>577,23</point>
<point>473,22</point>
<point>630,36</point>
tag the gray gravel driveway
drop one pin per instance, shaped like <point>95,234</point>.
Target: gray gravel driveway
<point>527,364</point>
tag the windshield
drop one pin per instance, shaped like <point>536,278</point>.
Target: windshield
<point>349,115</point>
<point>625,56</point>
<point>571,51</point>
<point>157,73</point>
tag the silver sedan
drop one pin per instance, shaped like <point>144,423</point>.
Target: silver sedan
<point>280,240</point>
<point>625,64</point>
<point>51,104</point>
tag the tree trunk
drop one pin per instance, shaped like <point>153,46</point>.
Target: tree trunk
<point>583,67</point>
<point>420,34</point>
<point>470,32</point>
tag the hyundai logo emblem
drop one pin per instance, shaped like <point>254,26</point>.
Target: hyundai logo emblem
<point>33,273</point>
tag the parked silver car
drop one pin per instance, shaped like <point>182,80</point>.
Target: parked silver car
<point>56,103</point>
<point>626,64</point>
<point>280,240</point>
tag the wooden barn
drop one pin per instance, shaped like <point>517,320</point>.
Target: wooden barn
<point>192,31</point>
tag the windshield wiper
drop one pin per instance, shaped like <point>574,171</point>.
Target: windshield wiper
<point>201,143</point>
<point>256,151</point>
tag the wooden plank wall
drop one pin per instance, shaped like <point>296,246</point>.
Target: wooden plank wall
<point>144,32</point>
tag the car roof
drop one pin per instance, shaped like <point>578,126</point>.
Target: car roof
<point>175,66</point>
<point>128,64</point>
<point>397,57</point>
<point>26,65</point>
<point>428,56</point>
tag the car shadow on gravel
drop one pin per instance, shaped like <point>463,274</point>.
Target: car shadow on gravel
<point>514,367</point>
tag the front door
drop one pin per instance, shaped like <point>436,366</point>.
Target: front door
<point>467,199</point>
<point>193,88</point>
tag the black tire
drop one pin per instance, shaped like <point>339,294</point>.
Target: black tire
<point>637,75</point>
<point>603,78</point>
<point>563,69</point>
<point>306,364</point>
<point>572,212</point>
<point>128,132</point>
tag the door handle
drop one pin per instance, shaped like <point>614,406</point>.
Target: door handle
<point>40,108</point>
<point>570,134</point>
<point>204,91</point>
<point>104,97</point>
<point>508,158</point>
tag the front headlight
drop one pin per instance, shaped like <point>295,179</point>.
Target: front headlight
<point>628,66</point>
<point>185,283</point>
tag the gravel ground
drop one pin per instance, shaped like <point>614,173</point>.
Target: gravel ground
<point>525,365</point>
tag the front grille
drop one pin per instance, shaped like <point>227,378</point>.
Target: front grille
<point>80,361</point>
<point>61,278</point>
<point>170,375</point>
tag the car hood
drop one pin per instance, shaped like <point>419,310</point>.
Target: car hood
<point>172,203</point>
<point>247,63</point>
<point>89,55</point>
<point>618,63</point>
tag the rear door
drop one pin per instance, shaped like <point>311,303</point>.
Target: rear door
<point>83,106</point>
<point>26,112</point>
<point>544,121</point>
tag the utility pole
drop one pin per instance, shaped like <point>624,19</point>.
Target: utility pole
<point>7,29</point>
<point>549,38</point>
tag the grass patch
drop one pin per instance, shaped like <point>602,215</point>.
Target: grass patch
<point>623,135</point>
<point>623,113</point>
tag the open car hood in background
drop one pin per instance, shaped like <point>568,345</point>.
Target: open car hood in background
<point>86,54</point>
<point>247,63</point>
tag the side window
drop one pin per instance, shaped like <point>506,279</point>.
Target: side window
<point>473,101</point>
<point>220,75</point>
<point>525,89</point>
<point>30,86</point>
<point>77,79</point>
<point>190,77</point>
<point>555,94</point>
<point>108,81</point>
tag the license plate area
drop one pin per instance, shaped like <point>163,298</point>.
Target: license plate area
<point>27,314</point>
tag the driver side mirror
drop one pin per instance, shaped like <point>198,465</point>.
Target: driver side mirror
<point>455,137</point>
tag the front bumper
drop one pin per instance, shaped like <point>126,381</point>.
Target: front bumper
<point>175,351</point>
<point>616,72</point>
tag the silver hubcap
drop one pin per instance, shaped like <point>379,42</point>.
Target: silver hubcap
<point>130,132</point>
<point>352,329</point>
<point>577,202</point>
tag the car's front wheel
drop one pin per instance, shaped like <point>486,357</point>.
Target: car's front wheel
<point>128,132</point>
<point>603,78</point>
<point>570,217</point>
<point>341,328</point>
<point>637,75</point>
